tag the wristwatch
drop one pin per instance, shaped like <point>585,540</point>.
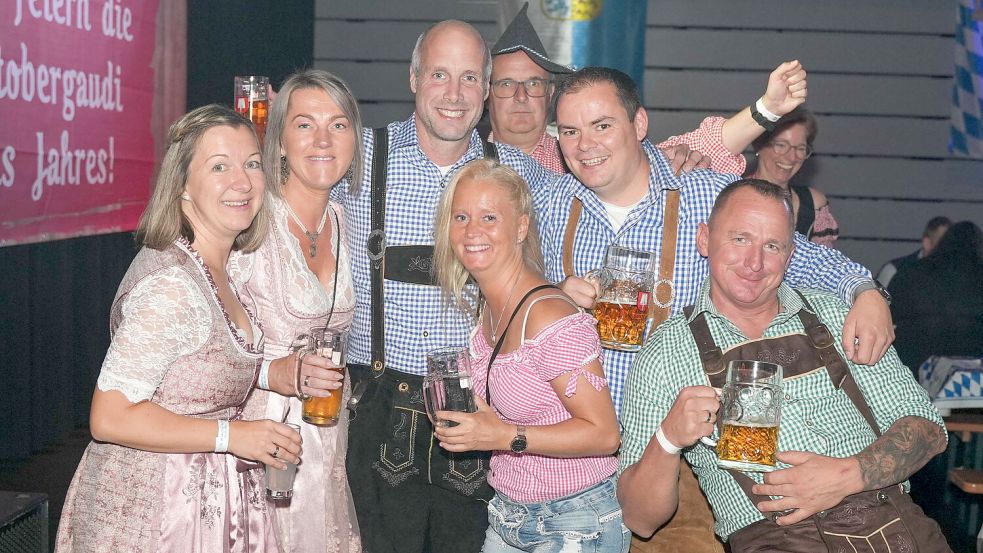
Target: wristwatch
<point>760,119</point>
<point>872,284</point>
<point>519,443</point>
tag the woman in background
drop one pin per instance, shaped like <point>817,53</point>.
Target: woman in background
<point>164,471</point>
<point>780,154</point>
<point>301,278</point>
<point>551,425</point>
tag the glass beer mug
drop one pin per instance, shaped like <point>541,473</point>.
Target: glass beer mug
<point>252,101</point>
<point>750,411</point>
<point>324,411</point>
<point>447,386</point>
<point>621,310</point>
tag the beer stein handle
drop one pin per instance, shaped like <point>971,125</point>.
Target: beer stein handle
<point>301,354</point>
<point>428,401</point>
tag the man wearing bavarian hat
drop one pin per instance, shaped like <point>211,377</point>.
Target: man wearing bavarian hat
<point>521,84</point>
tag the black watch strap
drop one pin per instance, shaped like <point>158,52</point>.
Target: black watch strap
<point>761,119</point>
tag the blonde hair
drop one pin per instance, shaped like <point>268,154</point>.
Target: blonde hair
<point>163,221</point>
<point>275,165</point>
<point>451,274</point>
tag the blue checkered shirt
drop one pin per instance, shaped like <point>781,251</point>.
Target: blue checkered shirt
<point>417,319</point>
<point>813,266</point>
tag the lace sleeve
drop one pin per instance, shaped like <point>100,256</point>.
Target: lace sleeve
<point>567,347</point>
<point>164,317</point>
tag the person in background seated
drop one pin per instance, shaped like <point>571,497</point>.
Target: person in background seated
<point>934,231</point>
<point>849,435</point>
<point>544,408</point>
<point>781,153</point>
<point>937,302</point>
<point>167,470</point>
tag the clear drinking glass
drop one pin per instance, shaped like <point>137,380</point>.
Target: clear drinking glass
<point>280,482</point>
<point>447,386</point>
<point>252,100</point>
<point>331,345</point>
<point>621,310</point>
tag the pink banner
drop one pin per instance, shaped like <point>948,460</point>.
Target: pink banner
<point>76,99</point>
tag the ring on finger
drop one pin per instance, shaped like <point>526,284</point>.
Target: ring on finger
<point>276,452</point>
<point>709,416</point>
<point>307,381</point>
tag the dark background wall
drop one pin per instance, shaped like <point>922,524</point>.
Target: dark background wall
<point>55,296</point>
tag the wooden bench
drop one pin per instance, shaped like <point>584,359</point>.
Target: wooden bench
<point>967,480</point>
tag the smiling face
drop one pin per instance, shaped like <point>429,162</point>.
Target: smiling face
<point>600,145</point>
<point>749,244</point>
<point>780,169</point>
<point>486,228</point>
<point>520,119</point>
<point>318,140</point>
<point>225,183</point>
<point>450,87</point>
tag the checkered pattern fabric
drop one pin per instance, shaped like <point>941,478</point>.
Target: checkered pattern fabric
<point>816,417</point>
<point>417,319</point>
<point>813,266</point>
<point>966,129</point>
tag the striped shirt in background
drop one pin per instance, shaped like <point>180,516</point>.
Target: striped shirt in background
<point>521,394</point>
<point>813,266</point>
<point>816,417</point>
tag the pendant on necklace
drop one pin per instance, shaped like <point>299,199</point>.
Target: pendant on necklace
<point>313,249</point>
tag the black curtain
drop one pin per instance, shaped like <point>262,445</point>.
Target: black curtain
<point>55,296</point>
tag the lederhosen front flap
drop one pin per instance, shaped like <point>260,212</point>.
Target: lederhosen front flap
<point>413,263</point>
<point>798,354</point>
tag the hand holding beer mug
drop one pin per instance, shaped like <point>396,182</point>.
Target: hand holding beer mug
<point>330,345</point>
<point>626,283</point>
<point>447,386</point>
<point>280,482</point>
<point>751,408</point>
<point>252,101</point>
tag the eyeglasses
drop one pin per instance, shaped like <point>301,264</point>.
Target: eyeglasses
<point>781,148</point>
<point>506,88</point>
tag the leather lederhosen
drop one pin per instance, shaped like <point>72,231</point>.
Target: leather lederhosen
<point>878,521</point>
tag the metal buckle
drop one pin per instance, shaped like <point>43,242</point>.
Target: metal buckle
<point>655,292</point>
<point>375,244</point>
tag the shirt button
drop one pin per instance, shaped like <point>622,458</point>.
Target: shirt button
<point>788,397</point>
<point>808,422</point>
<point>426,333</point>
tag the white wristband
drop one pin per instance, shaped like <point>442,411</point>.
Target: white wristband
<point>222,438</point>
<point>760,106</point>
<point>264,375</point>
<point>665,443</point>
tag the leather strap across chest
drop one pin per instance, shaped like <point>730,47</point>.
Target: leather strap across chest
<point>664,291</point>
<point>798,354</point>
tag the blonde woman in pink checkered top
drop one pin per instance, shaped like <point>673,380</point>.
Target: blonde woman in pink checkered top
<point>549,420</point>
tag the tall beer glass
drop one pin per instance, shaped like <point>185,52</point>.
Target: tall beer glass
<point>751,409</point>
<point>447,386</point>
<point>626,282</point>
<point>324,411</point>
<point>252,100</point>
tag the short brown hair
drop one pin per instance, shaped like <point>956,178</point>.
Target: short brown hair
<point>762,187</point>
<point>163,221</point>
<point>799,115</point>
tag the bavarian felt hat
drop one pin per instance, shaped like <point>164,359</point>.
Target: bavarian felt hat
<point>520,35</point>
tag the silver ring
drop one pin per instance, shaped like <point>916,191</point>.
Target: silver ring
<point>276,452</point>
<point>709,416</point>
<point>306,379</point>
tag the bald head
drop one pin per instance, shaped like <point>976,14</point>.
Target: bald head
<point>453,26</point>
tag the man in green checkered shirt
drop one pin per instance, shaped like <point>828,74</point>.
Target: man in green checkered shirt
<point>826,449</point>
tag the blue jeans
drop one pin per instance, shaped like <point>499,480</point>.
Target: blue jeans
<point>588,522</point>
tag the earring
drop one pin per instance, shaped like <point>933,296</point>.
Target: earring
<point>284,170</point>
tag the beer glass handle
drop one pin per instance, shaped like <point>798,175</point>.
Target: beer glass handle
<point>429,406</point>
<point>593,274</point>
<point>301,354</point>
<point>708,441</point>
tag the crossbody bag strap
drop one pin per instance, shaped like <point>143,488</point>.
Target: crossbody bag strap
<point>376,245</point>
<point>501,339</point>
<point>664,289</point>
<point>825,345</point>
<point>570,234</point>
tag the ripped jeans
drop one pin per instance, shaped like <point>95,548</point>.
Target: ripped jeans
<point>588,522</point>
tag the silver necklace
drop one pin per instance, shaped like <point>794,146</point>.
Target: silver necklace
<point>312,236</point>
<point>501,313</point>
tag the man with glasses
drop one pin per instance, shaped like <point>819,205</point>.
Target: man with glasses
<point>523,79</point>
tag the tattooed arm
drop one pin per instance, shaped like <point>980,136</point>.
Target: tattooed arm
<point>816,482</point>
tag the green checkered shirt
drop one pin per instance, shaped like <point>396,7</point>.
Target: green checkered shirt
<point>816,417</point>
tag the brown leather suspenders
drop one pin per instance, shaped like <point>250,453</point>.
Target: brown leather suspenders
<point>664,290</point>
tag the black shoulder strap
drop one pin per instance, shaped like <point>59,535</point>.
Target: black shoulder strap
<point>490,149</point>
<point>376,245</point>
